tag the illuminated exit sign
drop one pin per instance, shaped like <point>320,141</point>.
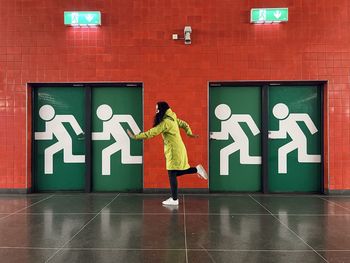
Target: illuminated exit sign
<point>82,18</point>
<point>268,15</point>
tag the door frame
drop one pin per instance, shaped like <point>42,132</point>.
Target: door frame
<point>321,84</point>
<point>32,87</point>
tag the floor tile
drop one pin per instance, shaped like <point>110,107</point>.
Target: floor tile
<point>253,257</point>
<point>321,232</point>
<point>11,204</point>
<point>71,204</point>
<point>139,204</point>
<point>341,201</point>
<point>137,228</point>
<point>336,256</point>
<point>299,205</point>
<point>239,232</point>
<point>45,230</point>
<point>4,215</point>
<point>122,256</point>
<point>132,231</point>
<point>222,205</point>
<point>15,255</point>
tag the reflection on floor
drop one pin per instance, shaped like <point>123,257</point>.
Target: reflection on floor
<point>203,228</point>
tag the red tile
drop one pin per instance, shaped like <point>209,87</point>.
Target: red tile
<point>225,47</point>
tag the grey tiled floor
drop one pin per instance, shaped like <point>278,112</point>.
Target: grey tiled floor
<point>204,228</point>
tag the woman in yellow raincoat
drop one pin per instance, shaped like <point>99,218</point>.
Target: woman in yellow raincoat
<point>167,124</point>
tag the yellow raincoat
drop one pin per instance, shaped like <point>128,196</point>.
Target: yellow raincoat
<point>174,148</point>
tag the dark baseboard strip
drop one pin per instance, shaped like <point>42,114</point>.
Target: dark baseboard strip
<point>338,192</point>
<point>14,191</point>
<point>181,191</point>
<point>146,190</point>
<point>163,190</point>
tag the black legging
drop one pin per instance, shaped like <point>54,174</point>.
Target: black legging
<point>173,174</point>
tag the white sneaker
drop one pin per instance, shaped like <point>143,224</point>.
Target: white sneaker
<point>202,172</point>
<point>171,201</point>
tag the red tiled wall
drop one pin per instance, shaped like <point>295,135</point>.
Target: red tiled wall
<point>134,44</point>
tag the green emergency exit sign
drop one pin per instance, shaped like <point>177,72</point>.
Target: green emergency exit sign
<point>82,18</point>
<point>268,15</point>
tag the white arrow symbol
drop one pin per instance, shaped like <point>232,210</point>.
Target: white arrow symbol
<point>277,14</point>
<point>89,17</point>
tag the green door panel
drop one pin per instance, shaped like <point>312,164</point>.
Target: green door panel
<point>235,144</point>
<point>116,159</point>
<point>295,134</point>
<point>59,145</point>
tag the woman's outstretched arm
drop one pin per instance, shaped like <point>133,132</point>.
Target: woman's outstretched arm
<point>161,127</point>
<point>184,125</point>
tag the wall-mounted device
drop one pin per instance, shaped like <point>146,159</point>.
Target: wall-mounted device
<point>186,37</point>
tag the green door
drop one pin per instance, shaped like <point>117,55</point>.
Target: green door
<point>294,143</point>
<point>235,144</point>
<point>116,159</point>
<point>59,146</point>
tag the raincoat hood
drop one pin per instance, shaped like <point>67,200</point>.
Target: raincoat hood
<point>170,114</point>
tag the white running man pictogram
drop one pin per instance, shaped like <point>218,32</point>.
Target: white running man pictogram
<point>230,127</point>
<point>54,127</point>
<point>288,126</point>
<point>112,126</point>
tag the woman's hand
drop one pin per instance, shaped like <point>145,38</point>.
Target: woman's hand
<point>131,135</point>
<point>193,136</point>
